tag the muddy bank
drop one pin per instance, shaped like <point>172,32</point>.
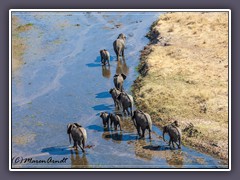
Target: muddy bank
<point>18,42</point>
<point>184,77</point>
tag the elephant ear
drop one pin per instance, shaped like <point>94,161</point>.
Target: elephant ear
<point>69,128</point>
<point>116,75</point>
<point>101,114</point>
<point>78,125</point>
<point>110,91</point>
<point>124,76</point>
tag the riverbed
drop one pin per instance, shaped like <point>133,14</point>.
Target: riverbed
<point>62,81</point>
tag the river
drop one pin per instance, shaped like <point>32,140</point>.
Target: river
<point>62,81</point>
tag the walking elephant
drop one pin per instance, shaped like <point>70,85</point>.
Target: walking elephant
<point>118,81</point>
<point>115,93</point>
<point>126,101</point>
<point>142,120</point>
<point>105,57</point>
<point>174,133</point>
<point>119,45</point>
<point>78,134</point>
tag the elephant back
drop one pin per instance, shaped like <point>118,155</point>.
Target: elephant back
<point>141,119</point>
<point>149,120</point>
<point>174,132</point>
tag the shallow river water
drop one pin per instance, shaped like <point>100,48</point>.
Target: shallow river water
<point>62,81</point>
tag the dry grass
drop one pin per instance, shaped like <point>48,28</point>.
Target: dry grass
<point>188,80</point>
<point>18,43</point>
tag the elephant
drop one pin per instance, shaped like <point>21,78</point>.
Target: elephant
<point>142,120</point>
<point>105,57</point>
<point>174,133</point>
<point>116,121</point>
<point>126,101</point>
<point>78,134</point>
<point>118,81</point>
<point>119,45</point>
<point>105,119</point>
<point>115,93</point>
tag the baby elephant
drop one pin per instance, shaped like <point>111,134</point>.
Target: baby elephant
<point>78,134</point>
<point>116,121</point>
<point>105,119</point>
<point>174,133</point>
<point>105,56</point>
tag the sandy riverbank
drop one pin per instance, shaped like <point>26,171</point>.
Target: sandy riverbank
<point>184,77</point>
<point>18,42</point>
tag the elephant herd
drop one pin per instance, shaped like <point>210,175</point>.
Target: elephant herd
<point>122,101</point>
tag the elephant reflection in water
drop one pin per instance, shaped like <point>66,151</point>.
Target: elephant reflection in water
<point>106,134</point>
<point>176,159</point>
<point>78,161</point>
<point>106,71</point>
<point>114,135</point>
<point>122,67</point>
<point>140,151</point>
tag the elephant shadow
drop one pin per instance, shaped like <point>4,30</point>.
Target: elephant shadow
<point>96,128</point>
<point>58,150</point>
<point>118,136</point>
<point>98,59</point>
<point>78,161</point>
<point>103,107</point>
<point>93,65</point>
<point>157,148</point>
<point>101,95</point>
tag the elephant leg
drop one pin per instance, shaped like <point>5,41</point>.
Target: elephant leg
<point>169,142</point>
<point>124,111</point>
<point>143,132</point>
<point>111,123</point>
<point>150,137</point>
<point>120,127</point>
<point>75,145</point>
<point>128,112</point>
<point>138,130</point>
<point>80,145</point>
<point>131,110</point>
<point>179,145</point>
<point>173,145</point>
